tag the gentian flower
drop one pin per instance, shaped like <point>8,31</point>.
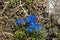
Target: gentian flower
<point>35,26</point>
<point>19,21</point>
<point>30,18</point>
<point>29,29</point>
<point>33,18</point>
<point>27,19</point>
<point>32,24</point>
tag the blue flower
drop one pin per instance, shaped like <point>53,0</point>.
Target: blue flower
<point>27,19</point>
<point>35,26</point>
<point>30,18</point>
<point>32,24</point>
<point>33,18</point>
<point>19,21</point>
<point>29,29</point>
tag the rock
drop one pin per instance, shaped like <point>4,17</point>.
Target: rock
<point>59,21</point>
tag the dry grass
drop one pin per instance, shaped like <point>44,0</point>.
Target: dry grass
<point>10,10</point>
